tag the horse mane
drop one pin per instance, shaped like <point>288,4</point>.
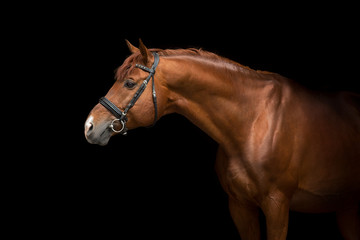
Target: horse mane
<point>128,64</point>
<point>201,54</point>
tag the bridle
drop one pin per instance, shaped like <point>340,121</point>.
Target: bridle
<point>121,115</point>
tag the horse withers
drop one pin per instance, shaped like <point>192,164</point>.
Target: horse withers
<point>281,145</point>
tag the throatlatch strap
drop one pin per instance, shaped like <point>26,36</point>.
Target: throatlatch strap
<point>155,101</point>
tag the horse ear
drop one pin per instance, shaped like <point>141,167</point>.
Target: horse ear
<point>131,47</point>
<point>144,52</point>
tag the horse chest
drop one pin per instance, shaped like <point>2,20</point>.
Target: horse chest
<point>236,179</point>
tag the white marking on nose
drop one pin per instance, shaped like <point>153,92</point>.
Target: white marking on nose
<point>89,124</point>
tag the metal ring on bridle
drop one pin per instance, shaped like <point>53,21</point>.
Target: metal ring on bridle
<point>112,125</point>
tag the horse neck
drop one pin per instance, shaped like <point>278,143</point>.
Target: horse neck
<point>222,99</point>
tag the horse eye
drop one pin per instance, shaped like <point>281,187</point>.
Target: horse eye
<point>130,84</point>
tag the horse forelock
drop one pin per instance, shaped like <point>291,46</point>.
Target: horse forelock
<point>126,67</point>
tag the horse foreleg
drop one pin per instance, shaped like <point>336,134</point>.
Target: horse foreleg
<point>276,210</point>
<point>349,222</point>
<point>246,219</point>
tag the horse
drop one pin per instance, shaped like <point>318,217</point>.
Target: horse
<point>281,145</point>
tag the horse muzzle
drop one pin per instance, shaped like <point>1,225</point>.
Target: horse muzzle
<point>97,133</point>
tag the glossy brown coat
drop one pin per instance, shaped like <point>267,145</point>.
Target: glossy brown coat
<point>281,146</point>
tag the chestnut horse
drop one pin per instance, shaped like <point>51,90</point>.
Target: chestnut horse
<point>281,145</point>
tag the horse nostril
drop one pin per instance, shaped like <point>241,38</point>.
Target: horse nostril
<point>89,126</point>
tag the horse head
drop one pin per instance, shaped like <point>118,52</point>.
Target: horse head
<point>113,115</point>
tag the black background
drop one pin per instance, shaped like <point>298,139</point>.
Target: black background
<point>158,182</point>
